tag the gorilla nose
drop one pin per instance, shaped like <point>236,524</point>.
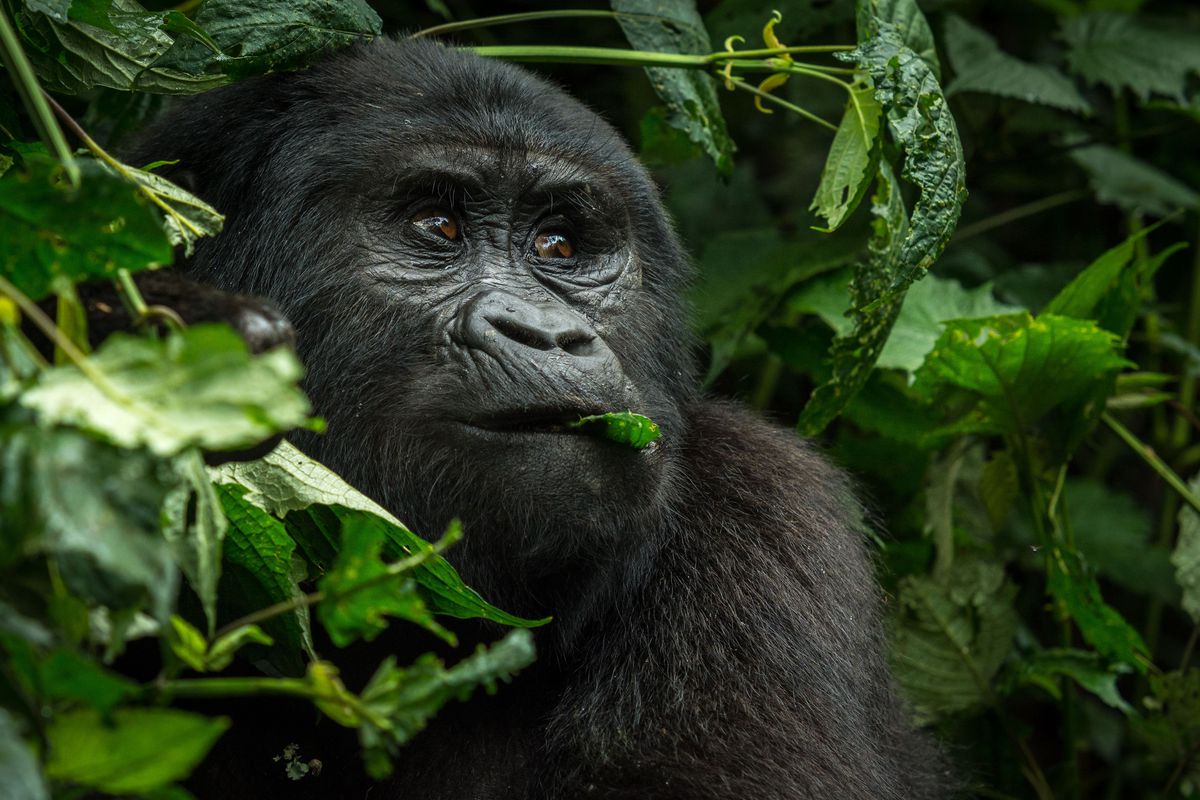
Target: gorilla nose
<point>502,324</point>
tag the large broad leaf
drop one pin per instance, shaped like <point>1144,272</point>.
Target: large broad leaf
<point>906,17</point>
<point>258,36</point>
<point>1186,556</point>
<point>259,571</point>
<point>951,637</point>
<point>1124,51</point>
<point>91,507</point>
<point>286,482</point>
<point>1003,375</point>
<point>118,50</point>
<point>981,66</point>
<point>674,26</point>
<point>20,778</point>
<point>53,231</point>
<point>132,752</point>
<point>194,525</point>
<point>360,592</point>
<point>850,165</point>
<point>200,387</point>
<point>928,304</point>
<point>1119,179</point>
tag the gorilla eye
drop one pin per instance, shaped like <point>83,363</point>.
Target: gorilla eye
<point>437,222</point>
<point>553,245</point>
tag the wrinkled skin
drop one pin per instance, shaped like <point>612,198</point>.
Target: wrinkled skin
<point>471,258</point>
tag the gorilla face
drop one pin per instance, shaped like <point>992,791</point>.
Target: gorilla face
<point>471,259</point>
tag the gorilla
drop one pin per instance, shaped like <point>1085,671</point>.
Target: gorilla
<point>471,259</point>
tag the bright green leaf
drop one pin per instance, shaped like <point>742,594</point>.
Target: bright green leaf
<point>197,388</point>
<point>1045,668</point>
<point>1102,626</point>
<point>622,427</point>
<point>141,750</point>
<point>50,229</point>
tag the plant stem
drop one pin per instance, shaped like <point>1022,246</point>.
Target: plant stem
<point>33,98</point>
<point>1187,391</point>
<point>1020,212</point>
<point>759,60</point>
<point>528,16</point>
<point>779,101</point>
<point>1147,454</point>
<point>130,296</point>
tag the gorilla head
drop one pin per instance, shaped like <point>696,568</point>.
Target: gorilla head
<point>471,259</point>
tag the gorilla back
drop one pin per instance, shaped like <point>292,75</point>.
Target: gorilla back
<point>471,259</point>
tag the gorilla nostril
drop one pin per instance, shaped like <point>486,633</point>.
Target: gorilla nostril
<point>577,343</point>
<point>513,329</point>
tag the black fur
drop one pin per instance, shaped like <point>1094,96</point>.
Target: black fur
<point>717,630</point>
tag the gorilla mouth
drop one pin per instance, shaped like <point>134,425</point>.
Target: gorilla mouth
<point>537,420</point>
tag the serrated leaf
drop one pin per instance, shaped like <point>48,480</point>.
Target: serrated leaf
<point>406,698</point>
<point>359,598</point>
<point>194,526</point>
<point>1126,51</point>
<point>258,573</point>
<point>286,482</point>
<point>1122,180</point>
<point>951,638</point>
<point>1102,626</point>
<point>929,303</point>
<point>94,509</point>
<point>137,750</point>
<point>981,66</point>
<point>53,231</point>
<point>1186,556</point>
<point>197,388</point>
<point>850,165</point>
<point>690,96</point>
<point>1046,667</point>
<point>623,427</point>
<point>260,36</point>
<point>20,778</point>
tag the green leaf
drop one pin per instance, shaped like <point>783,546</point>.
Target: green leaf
<point>358,597</point>
<point>1119,179</point>
<point>981,66</point>
<point>1186,556</point>
<point>406,698</point>
<point>690,96</point>
<point>194,526</point>
<point>260,36</point>
<point>623,427</point>
<point>78,55</point>
<point>91,507</point>
<point>20,778</point>
<point>951,638</point>
<point>1114,535</point>
<point>1003,375</point>
<point>1102,626</point>
<point>928,304</point>
<point>186,217</point>
<point>1083,294</point>
<point>66,675</point>
<point>850,165</point>
<point>286,481</point>
<point>139,751</point>
<point>1046,667</point>
<point>51,230</point>
<point>1124,51</point>
<point>198,388</point>
<point>258,572</point>
<point>190,646</point>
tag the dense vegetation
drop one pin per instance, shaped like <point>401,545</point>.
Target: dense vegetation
<point>1017,397</point>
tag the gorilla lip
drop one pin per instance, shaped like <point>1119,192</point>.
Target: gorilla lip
<point>540,420</point>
